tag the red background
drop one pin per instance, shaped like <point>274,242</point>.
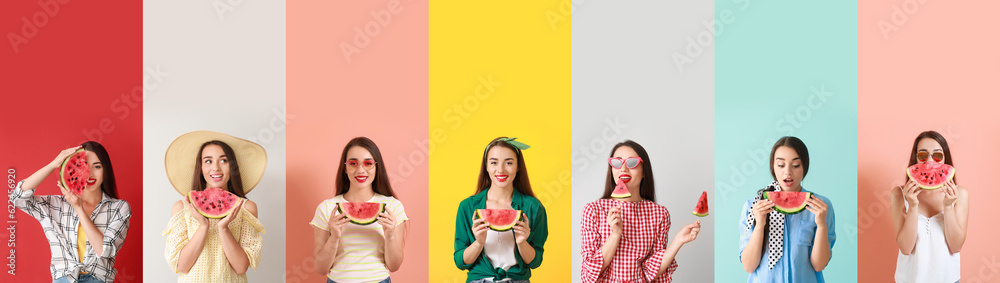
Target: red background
<point>76,79</point>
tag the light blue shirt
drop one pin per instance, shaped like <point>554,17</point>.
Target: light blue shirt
<point>794,265</point>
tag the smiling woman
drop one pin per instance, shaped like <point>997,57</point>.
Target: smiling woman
<point>491,255</point>
<point>357,251</point>
<point>200,249</point>
<point>83,248</point>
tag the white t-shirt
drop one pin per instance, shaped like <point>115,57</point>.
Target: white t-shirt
<point>362,247</point>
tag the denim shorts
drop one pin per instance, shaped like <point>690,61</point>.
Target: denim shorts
<point>84,278</point>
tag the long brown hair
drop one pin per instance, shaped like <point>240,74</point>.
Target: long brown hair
<point>944,147</point>
<point>521,183</point>
<point>235,184</point>
<point>108,185</point>
<point>646,185</point>
<point>381,183</point>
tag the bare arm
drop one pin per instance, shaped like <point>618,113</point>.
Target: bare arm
<point>235,254</point>
<point>327,243</point>
<point>905,222</point>
<point>956,217</point>
<point>190,252</point>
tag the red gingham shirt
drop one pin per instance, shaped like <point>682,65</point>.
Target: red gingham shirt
<point>640,251</point>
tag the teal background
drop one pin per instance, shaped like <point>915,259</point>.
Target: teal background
<point>785,68</point>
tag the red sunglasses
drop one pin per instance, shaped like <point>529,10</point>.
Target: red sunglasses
<point>630,162</point>
<point>368,164</point>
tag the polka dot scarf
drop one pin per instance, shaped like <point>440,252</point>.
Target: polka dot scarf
<point>776,232</point>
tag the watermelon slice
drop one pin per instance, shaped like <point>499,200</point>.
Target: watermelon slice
<point>74,172</point>
<point>499,219</point>
<point>621,191</point>
<point>213,202</point>
<point>788,202</point>
<point>361,213</point>
<point>930,175</point>
<point>701,210</point>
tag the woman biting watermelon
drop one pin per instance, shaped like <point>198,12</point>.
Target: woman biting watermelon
<point>359,236</point>
<point>625,232</point>
<point>936,240</point>
<point>206,243</point>
<point>787,232</point>
<point>86,246</point>
<point>500,231</point>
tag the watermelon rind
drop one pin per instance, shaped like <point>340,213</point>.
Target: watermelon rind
<point>927,186</point>
<point>209,215</point>
<point>62,172</point>
<point>789,210</point>
<point>361,221</point>
<point>501,228</point>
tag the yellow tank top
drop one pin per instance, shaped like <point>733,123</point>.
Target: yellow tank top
<point>81,243</point>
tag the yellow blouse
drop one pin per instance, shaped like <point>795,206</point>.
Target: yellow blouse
<point>212,265</point>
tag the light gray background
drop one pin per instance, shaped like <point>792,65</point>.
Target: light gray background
<point>224,74</point>
<point>623,73</point>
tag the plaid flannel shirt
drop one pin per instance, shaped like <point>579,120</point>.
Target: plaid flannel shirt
<point>60,222</point>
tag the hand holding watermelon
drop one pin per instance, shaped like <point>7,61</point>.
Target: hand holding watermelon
<point>521,230</point>
<point>336,223</point>
<point>224,222</point>
<point>70,198</point>
<point>388,222</point>
<point>479,227</point>
<point>65,153</point>
<point>950,194</point>
<point>192,212</point>
<point>760,211</point>
<point>910,192</point>
<point>817,207</point>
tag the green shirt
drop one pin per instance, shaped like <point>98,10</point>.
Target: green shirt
<point>482,268</point>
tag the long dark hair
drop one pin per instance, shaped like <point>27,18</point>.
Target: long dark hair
<point>381,183</point>
<point>646,185</point>
<point>803,152</point>
<point>944,147</point>
<point>235,185</point>
<point>521,183</point>
<point>108,184</point>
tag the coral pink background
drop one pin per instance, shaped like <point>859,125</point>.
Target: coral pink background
<point>380,93</point>
<point>938,71</point>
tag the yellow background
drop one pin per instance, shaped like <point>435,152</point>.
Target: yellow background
<point>498,69</point>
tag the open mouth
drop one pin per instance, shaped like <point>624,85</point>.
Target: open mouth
<point>501,178</point>
<point>625,178</point>
<point>788,182</point>
<point>216,177</point>
<point>91,181</point>
<point>361,179</point>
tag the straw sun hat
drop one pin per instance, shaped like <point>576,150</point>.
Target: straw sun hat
<point>182,154</point>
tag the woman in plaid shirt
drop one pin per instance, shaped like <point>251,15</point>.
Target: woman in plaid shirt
<point>83,248</point>
<point>625,240</point>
